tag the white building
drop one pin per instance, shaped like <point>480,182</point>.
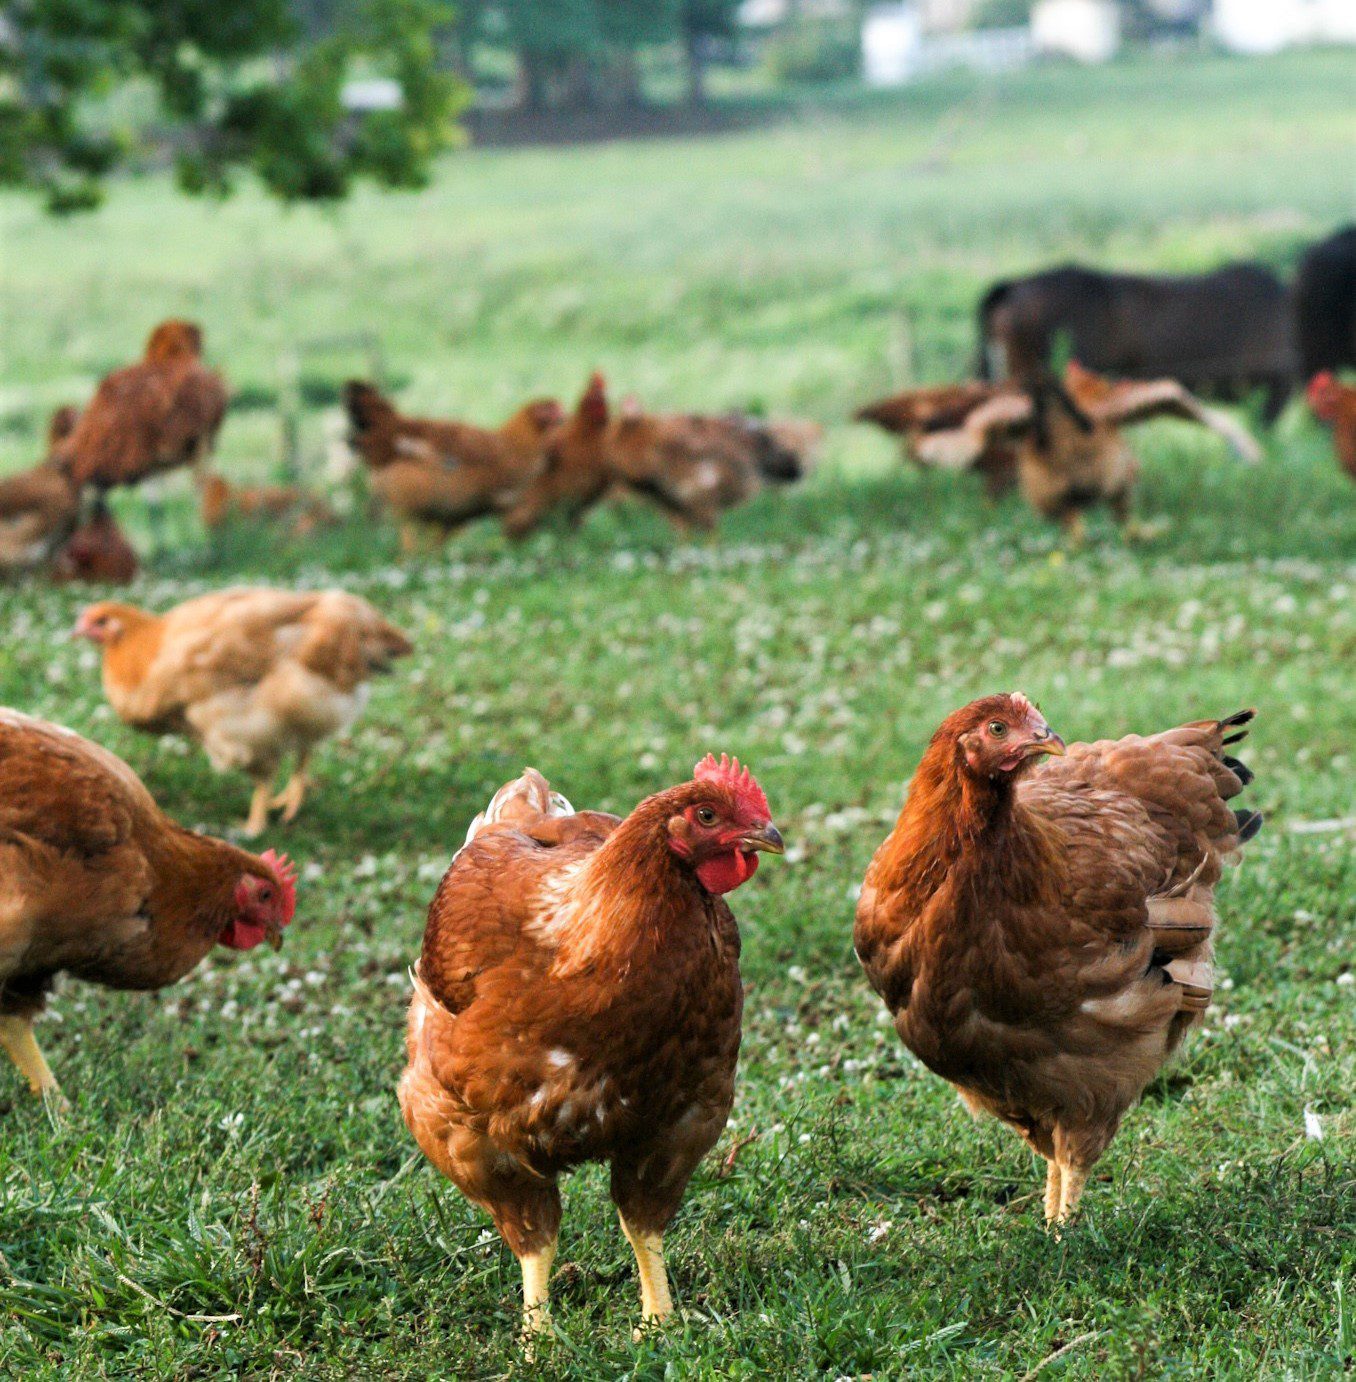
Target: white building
<point>1085,30</point>
<point>1267,26</point>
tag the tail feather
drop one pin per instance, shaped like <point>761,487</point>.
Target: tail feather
<point>520,802</point>
<point>1240,770</point>
<point>1249,823</point>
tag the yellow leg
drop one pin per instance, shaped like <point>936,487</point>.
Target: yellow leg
<point>536,1289</point>
<point>1075,532</point>
<point>16,1036</point>
<point>1074,1178</point>
<point>291,796</point>
<point>655,1301</point>
<point>1053,1180</point>
<point>257,820</point>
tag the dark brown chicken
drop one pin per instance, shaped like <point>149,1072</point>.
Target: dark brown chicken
<point>159,414</point>
<point>578,999</point>
<point>99,884</point>
<point>98,552</point>
<point>1041,931</point>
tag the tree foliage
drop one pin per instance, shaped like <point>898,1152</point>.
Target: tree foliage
<point>237,84</point>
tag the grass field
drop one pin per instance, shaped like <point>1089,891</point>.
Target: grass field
<point>234,1193</point>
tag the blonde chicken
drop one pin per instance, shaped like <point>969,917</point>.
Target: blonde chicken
<point>1039,922</point>
<point>578,999</point>
<point>254,676</point>
<point>96,882</point>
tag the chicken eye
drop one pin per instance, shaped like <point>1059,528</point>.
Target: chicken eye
<point>997,728</point>
<point>705,816</point>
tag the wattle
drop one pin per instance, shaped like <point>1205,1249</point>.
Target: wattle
<point>242,935</point>
<point>726,872</point>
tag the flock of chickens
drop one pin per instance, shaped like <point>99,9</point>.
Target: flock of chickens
<point>1056,438</point>
<point>1038,923</point>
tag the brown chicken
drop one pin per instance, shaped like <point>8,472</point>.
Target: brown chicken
<point>1335,404</point>
<point>1042,934</point>
<point>97,552</point>
<point>252,675</point>
<point>915,413</point>
<point>578,999</point>
<point>576,474</point>
<point>98,883</point>
<point>159,414</point>
<point>219,502</point>
<point>441,475</point>
<point>39,507</point>
<point>695,467</point>
<point>1070,452</point>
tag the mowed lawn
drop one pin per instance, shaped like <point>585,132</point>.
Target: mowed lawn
<point>233,1192</point>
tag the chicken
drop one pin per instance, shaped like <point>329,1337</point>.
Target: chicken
<point>576,474</point>
<point>97,551</point>
<point>251,675</point>
<point>219,501</point>
<point>694,467</point>
<point>691,466</point>
<point>445,474</point>
<point>39,507</point>
<point>1070,452</point>
<point>1041,933</point>
<point>915,413</point>
<point>1335,404</point>
<point>100,884</point>
<point>578,999</point>
<point>151,417</point>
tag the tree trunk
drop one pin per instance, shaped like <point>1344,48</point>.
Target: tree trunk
<point>532,73</point>
<point>694,55</point>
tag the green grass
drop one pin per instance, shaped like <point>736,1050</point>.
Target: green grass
<point>235,1149</point>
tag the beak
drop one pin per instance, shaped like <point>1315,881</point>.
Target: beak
<point>769,839</point>
<point>274,936</point>
<point>1047,741</point>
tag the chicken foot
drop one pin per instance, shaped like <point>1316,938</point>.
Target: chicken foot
<point>1072,1181</point>
<point>16,1036</point>
<point>1053,1189</point>
<point>655,1301</point>
<point>257,820</point>
<point>291,796</point>
<point>536,1267</point>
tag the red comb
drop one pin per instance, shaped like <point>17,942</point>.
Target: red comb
<point>739,780</point>
<point>285,871</point>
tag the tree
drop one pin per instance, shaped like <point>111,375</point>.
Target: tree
<point>256,84</point>
<point>703,22</point>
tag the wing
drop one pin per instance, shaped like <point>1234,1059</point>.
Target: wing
<point>515,867</point>
<point>932,409</point>
<point>221,641</point>
<point>1145,831</point>
<point>999,419</point>
<point>346,641</point>
<point>69,817</point>
<point>1128,402</point>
